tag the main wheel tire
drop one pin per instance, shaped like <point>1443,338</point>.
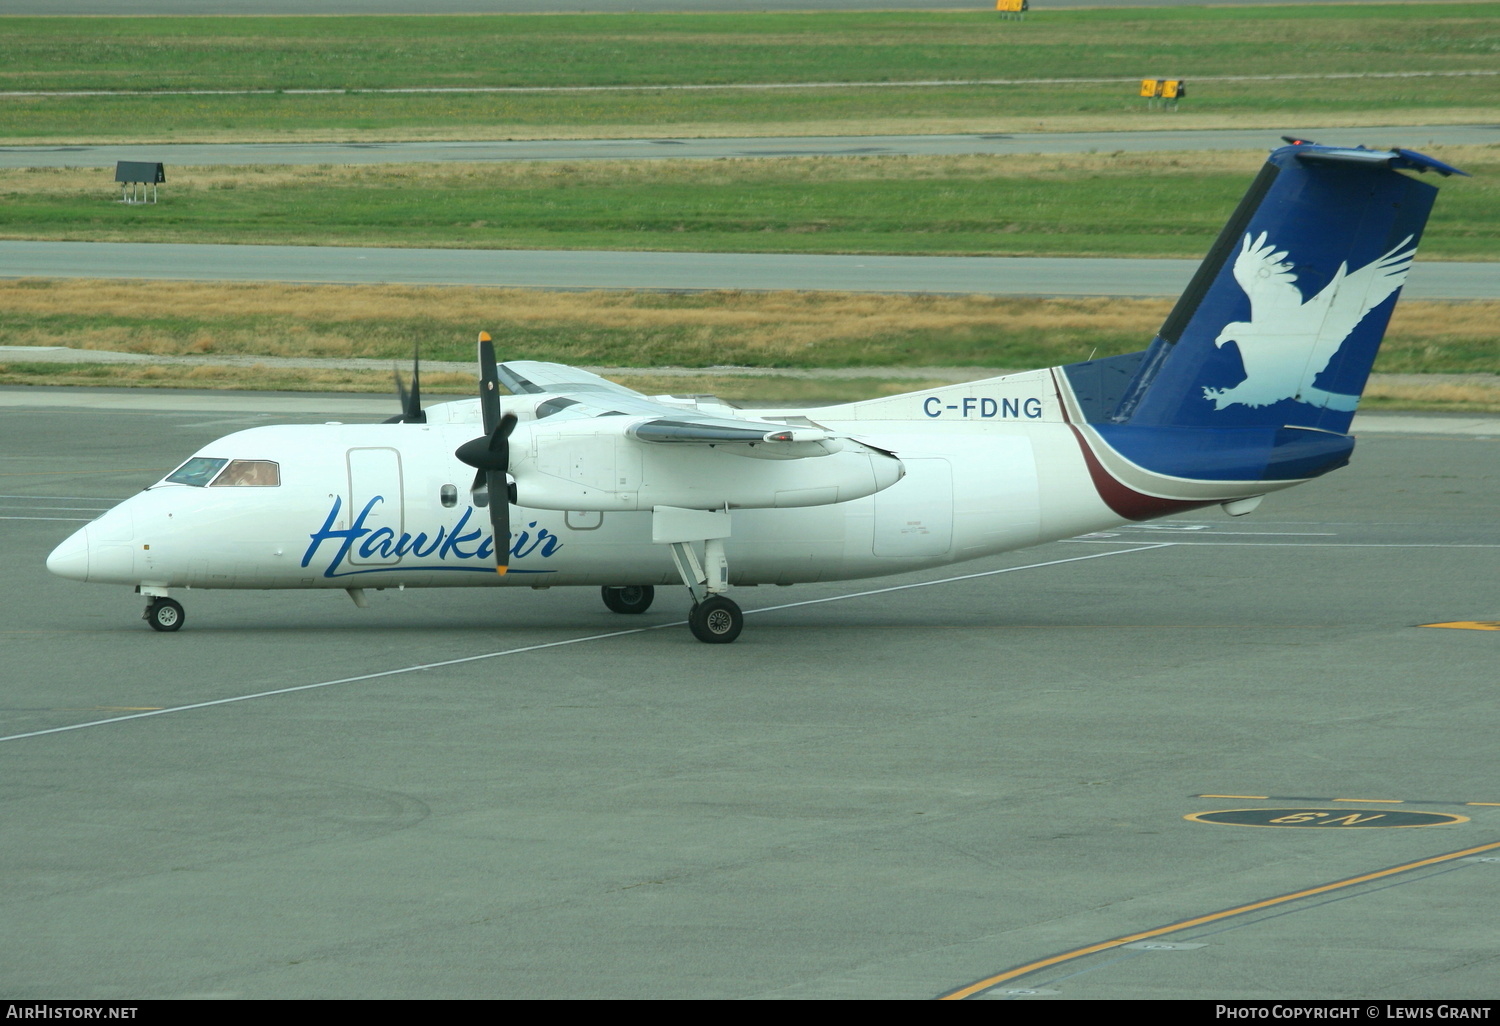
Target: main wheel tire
<point>632,598</point>
<point>165,614</point>
<point>716,620</point>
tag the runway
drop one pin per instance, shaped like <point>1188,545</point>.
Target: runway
<point>881,794</point>
<point>594,269</point>
<point>204,154</point>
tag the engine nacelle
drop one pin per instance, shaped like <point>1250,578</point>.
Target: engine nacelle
<point>574,469</point>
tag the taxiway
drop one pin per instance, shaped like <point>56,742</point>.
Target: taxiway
<point>1259,140</point>
<point>885,789</point>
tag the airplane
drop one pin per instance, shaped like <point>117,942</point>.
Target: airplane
<point>1249,387</point>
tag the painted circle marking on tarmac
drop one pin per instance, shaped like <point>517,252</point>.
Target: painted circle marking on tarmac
<point>1325,818</point>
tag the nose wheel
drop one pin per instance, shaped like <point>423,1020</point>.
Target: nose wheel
<point>164,614</point>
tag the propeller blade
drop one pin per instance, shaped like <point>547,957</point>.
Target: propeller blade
<point>489,383</point>
<point>499,489</point>
<point>500,519</point>
<point>411,403</point>
<point>489,454</point>
<point>413,410</point>
<point>400,394</point>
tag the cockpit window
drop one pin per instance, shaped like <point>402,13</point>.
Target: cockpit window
<point>249,474</point>
<point>197,471</point>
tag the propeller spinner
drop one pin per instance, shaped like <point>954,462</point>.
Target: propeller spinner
<point>489,454</point>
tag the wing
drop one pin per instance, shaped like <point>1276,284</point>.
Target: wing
<point>579,393</point>
<point>587,443</point>
<point>533,377</point>
<point>1262,271</point>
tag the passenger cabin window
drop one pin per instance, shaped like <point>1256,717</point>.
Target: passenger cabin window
<point>197,471</point>
<point>449,496</point>
<point>249,474</point>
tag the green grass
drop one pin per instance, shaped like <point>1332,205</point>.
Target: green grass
<point>637,49</point>
<point>140,55</point>
<point>659,114</point>
<point>1137,205</point>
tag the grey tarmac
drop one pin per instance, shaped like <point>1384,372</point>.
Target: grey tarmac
<point>884,796</point>
<point>594,269</point>
<point>880,795</point>
<point>1000,144</point>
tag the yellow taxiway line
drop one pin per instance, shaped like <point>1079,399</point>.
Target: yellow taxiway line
<point>1068,956</point>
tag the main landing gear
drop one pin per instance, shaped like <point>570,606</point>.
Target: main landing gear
<point>714,619</point>
<point>633,598</point>
<point>163,614</point>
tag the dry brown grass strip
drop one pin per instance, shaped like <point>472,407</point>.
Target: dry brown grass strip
<point>382,321</point>
<point>438,387</point>
<point>1470,397</point>
<point>341,321</point>
<point>1466,397</point>
<point>723,170</point>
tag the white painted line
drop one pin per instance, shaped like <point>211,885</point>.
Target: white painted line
<point>72,509</point>
<point>66,498</point>
<point>341,680</point>
<point>1259,534</point>
<point>545,645</point>
<point>71,520</point>
<point>961,577</point>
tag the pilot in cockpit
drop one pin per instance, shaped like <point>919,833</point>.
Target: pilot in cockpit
<point>201,471</point>
<point>249,474</point>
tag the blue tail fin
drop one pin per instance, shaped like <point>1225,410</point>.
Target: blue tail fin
<point>1270,346</point>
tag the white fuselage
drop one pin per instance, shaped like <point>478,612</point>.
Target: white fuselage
<point>988,467</point>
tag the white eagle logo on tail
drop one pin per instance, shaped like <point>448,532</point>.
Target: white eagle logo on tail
<point>1287,342</point>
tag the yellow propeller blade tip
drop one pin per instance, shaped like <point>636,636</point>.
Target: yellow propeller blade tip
<point>501,569</point>
<point>484,336</point>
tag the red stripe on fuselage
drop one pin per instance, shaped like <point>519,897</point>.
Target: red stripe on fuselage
<point>1127,502</point>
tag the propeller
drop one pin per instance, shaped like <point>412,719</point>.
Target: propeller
<point>489,454</point>
<point>411,403</point>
